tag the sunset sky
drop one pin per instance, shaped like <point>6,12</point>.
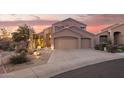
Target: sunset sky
<point>95,22</point>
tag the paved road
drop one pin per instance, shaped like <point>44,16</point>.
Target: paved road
<point>108,69</point>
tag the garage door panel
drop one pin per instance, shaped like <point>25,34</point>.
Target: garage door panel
<point>86,43</point>
<point>66,43</point>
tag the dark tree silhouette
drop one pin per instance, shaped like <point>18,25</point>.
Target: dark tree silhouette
<point>22,34</point>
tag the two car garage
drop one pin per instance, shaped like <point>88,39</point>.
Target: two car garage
<point>71,43</point>
<point>72,39</point>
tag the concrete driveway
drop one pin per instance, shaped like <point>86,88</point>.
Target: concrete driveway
<point>83,55</point>
<point>65,60</point>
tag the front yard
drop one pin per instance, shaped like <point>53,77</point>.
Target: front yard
<point>34,61</point>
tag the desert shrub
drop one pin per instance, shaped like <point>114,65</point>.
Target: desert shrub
<point>11,47</point>
<point>6,46</point>
<point>112,48</point>
<point>97,47</point>
<point>19,50</point>
<point>19,59</point>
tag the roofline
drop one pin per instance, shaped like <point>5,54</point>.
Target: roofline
<point>47,28</point>
<point>71,19</point>
<point>118,25</point>
<point>76,31</point>
<point>101,32</point>
<point>82,30</point>
<point>109,27</point>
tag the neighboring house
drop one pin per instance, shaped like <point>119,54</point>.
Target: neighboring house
<point>113,33</point>
<point>36,40</point>
<point>47,35</point>
<point>69,34</point>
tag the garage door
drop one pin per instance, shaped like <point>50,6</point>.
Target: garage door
<point>86,43</point>
<point>66,43</point>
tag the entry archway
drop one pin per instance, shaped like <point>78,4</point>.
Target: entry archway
<point>117,38</point>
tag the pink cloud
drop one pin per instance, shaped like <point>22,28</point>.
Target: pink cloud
<point>95,22</point>
<point>39,28</point>
<point>95,29</point>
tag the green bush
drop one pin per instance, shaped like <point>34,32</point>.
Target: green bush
<point>19,59</point>
<point>121,48</point>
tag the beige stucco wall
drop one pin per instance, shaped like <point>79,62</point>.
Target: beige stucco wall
<point>69,33</point>
<point>66,32</point>
<point>121,30</point>
<point>67,23</point>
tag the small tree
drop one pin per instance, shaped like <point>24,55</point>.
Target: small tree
<point>22,34</point>
<point>21,37</point>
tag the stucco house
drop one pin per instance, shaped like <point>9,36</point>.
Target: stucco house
<point>69,34</point>
<point>114,33</point>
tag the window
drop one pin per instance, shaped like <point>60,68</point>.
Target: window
<point>103,39</point>
<point>56,28</point>
<point>82,28</point>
